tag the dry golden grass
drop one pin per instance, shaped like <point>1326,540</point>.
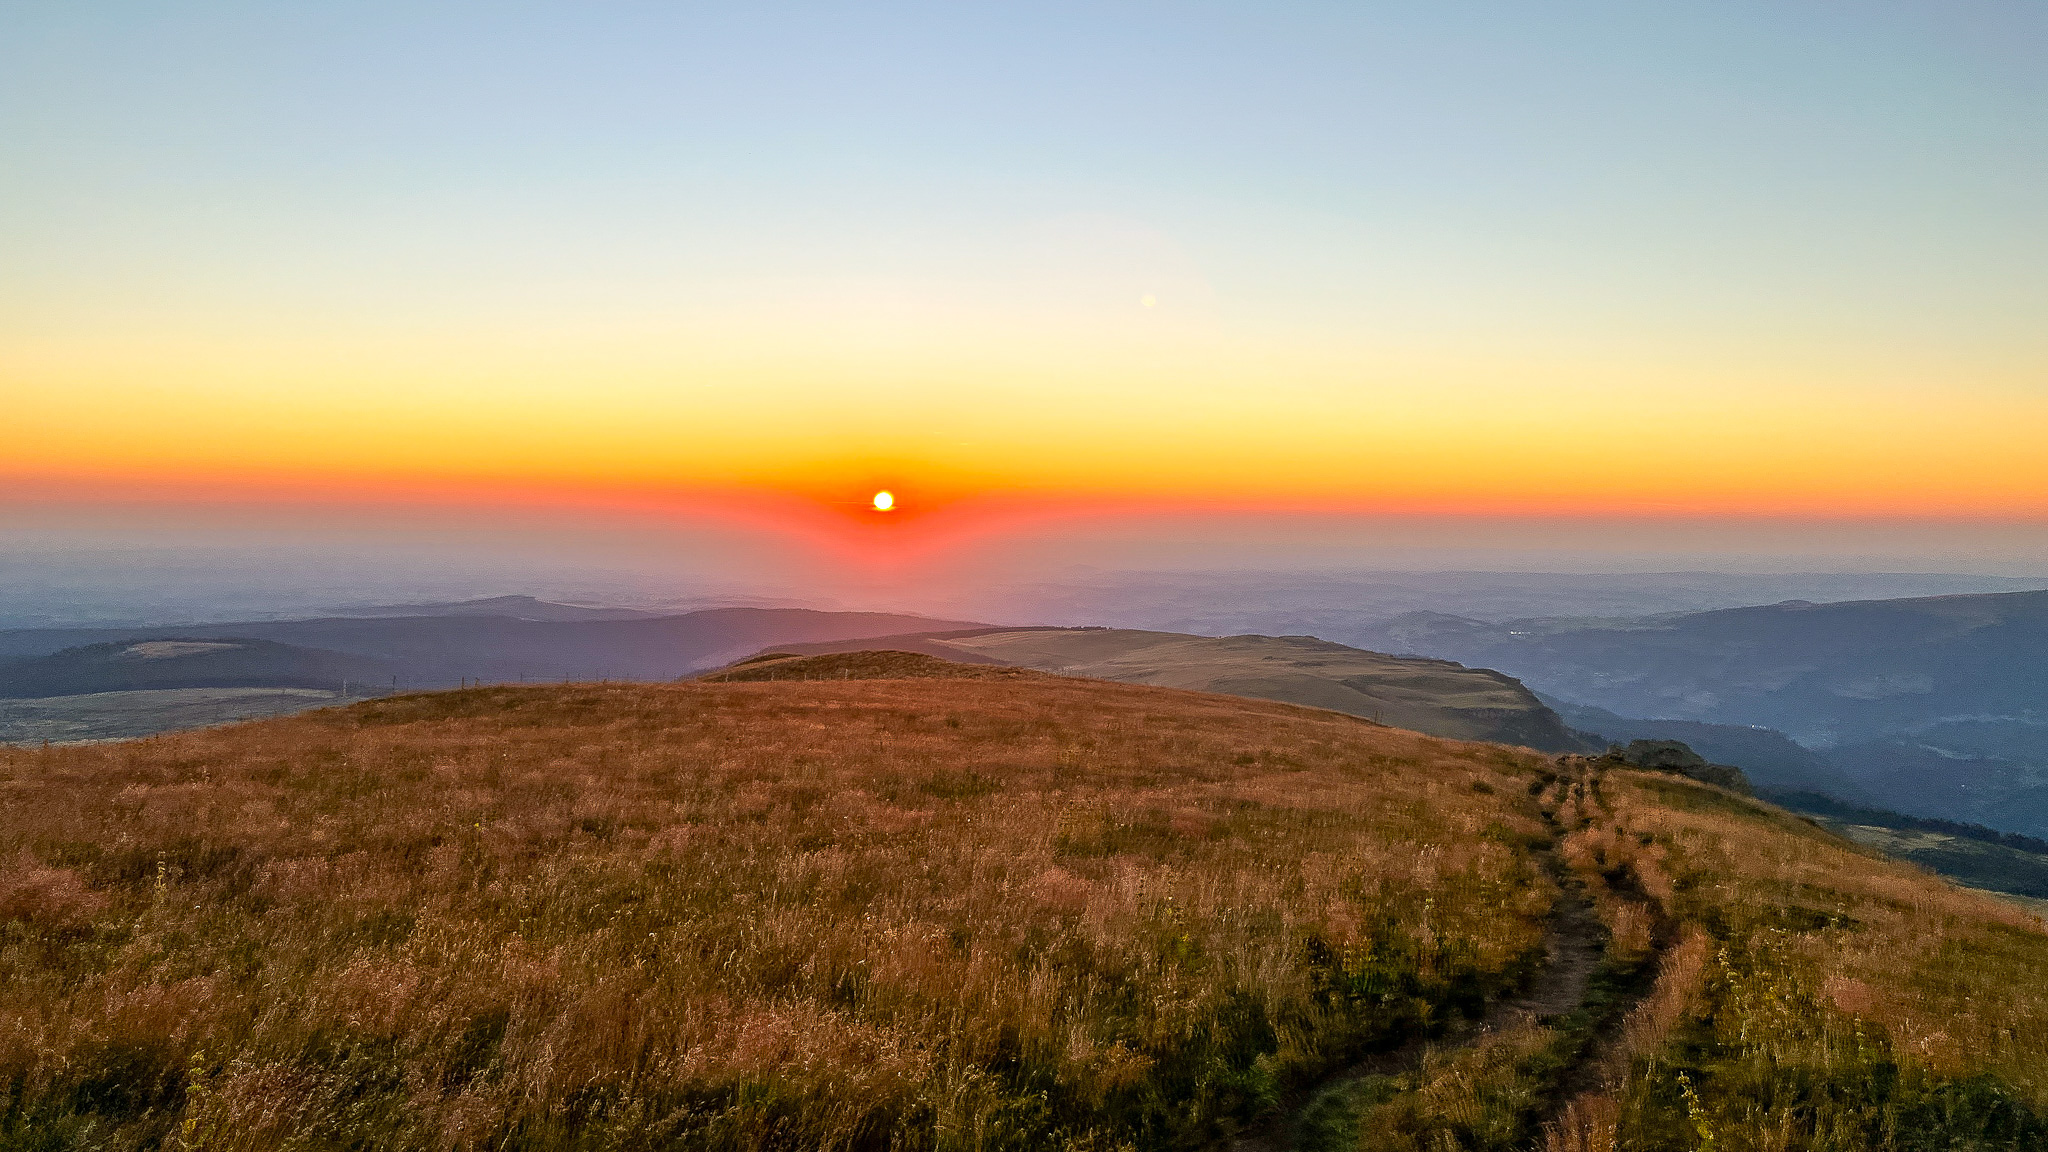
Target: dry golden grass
<point>1587,1123</point>
<point>1807,995</point>
<point>1475,1095</point>
<point>1522,1079</point>
<point>1820,996</point>
<point>981,912</point>
<point>974,913</point>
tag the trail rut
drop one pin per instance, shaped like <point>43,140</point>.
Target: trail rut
<point>1574,947</point>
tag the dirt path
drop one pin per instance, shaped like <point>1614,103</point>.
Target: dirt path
<point>1574,947</point>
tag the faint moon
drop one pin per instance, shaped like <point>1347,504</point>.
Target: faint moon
<point>884,500</point>
<point>1148,300</point>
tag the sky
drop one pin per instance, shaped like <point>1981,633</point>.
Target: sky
<point>1249,282</point>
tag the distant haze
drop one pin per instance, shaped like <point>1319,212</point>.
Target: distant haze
<point>1213,574</point>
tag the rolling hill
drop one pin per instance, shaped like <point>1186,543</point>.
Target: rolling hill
<point>1431,696</point>
<point>969,908</point>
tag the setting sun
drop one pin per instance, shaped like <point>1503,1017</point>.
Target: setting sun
<point>885,501</point>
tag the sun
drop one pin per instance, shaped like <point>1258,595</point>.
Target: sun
<point>885,500</point>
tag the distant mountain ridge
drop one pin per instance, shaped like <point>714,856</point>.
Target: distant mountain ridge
<point>1345,606</point>
<point>1770,758</point>
<point>513,607</point>
<point>1933,705</point>
<point>1821,673</point>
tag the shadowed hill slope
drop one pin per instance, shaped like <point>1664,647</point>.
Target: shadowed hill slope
<point>1821,673</point>
<point>144,665</point>
<point>993,910</point>
<point>1936,706</point>
<point>1436,697</point>
<point>1769,758</point>
<point>428,651</point>
<point>145,712</point>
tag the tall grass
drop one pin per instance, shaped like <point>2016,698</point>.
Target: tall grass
<point>998,912</point>
<point>1504,1089</point>
<point>1806,995</point>
<point>1820,997</point>
<point>1016,912</point>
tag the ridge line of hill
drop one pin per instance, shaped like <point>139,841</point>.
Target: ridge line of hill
<point>1425,694</point>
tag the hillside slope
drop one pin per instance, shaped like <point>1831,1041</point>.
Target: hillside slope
<point>1435,697</point>
<point>993,910</point>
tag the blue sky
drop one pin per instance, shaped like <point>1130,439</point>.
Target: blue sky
<point>1402,257</point>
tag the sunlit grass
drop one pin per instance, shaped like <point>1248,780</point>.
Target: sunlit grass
<point>943,914</point>
<point>1805,995</point>
<point>999,911</point>
<point>1821,997</point>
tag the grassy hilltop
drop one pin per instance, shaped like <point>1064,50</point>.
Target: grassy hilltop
<point>964,909</point>
<point>1413,692</point>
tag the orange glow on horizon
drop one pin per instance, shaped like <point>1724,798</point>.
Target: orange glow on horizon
<point>963,502</point>
<point>1063,415</point>
<point>993,325</point>
<point>922,538</point>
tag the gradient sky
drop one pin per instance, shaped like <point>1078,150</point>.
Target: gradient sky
<point>1692,261</point>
